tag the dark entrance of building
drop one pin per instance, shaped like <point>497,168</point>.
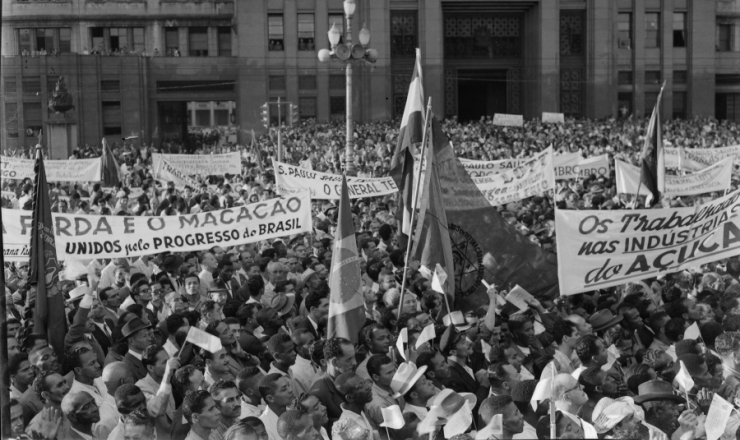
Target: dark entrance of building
<point>173,122</point>
<point>480,93</point>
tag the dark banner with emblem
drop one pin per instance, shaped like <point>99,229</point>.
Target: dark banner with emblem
<point>484,245</point>
<point>49,316</point>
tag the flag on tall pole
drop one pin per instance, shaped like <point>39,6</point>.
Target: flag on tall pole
<point>48,318</point>
<point>346,305</point>
<point>431,239</point>
<point>111,172</point>
<point>652,159</point>
<point>411,134</point>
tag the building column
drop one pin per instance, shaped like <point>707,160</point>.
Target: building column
<point>701,58</point>
<point>601,94</point>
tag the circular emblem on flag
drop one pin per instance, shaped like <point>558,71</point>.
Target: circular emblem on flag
<point>468,259</point>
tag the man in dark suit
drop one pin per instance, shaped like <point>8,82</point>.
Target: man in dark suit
<point>317,306</point>
<point>456,347</point>
<point>138,336</point>
<point>225,281</point>
<point>340,358</point>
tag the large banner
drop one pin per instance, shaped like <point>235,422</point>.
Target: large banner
<point>81,170</point>
<point>166,172</point>
<point>567,166</point>
<point>202,164</point>
<point>96,236</point>
<point>695,159</point>
<point>289,179</point>
<point>533,177</point>
<point>714,178</point>
<point>599,249</point>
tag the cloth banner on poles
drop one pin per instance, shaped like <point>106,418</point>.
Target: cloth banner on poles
<point>166,172</point>
<point>713,178</point>
<point>81,170</point>
<point>96,236</point>
<point>696,159</point>
<point>202,164</point>
<point>600,249</point>
<point>533,177</point>
<point>567,166</point>
<point>289,179</point>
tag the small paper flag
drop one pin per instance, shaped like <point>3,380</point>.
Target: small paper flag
<point>392,417</point>
<point>486,349</point>
<point>494,429</point>
<point>437,284</point>
<point>542,391</point>
<point>683,378</point>
<point>671,351</point>
<point>692,332</point>
<point>440,273</point>
<point>403,338</point>
<point>612,354</point>
<point>427,334</point>
<point>425,272</point>
<point>203,340</point>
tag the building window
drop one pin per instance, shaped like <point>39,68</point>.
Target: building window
<point>727,79</point>
<point>679,77</point>
<point>278,113</point>
<point>652,29</point>
<point>403,34</point>
<point>45,39</point>
<point>652,77</point>
<point>624,27</point>
<point>679,29</point>
<point>307,107</point>
<point>11,119</point>
<point>337,82</point>
<point>625,104</point>
<point>276,82</point>
<point>32,114</point>
<point>275,32</point>
<point>679,105</point>
<point>31,85</point>
<point>65,40</point>
<point>337,19</point>
<point>111,118</point>
<point>483,36</point>
<point>24,41</point>
<point>224,41</point>
<point>111,85</point>
<point>724,37</point>
<point>118,39</point>
<point>138,40</point>
<point>10,83</point>
<point>337,107</point>
<point>98,39</point>
<point>625,78</point>
<point>198,41</point>
<point>727,106</point>
<point>307,82</point>
<point>306,32</point>
<point>572,27</point>
<point>171,41</point>
<point>51,82</point>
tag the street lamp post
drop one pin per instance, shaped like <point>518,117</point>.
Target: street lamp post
<point>348,53</point>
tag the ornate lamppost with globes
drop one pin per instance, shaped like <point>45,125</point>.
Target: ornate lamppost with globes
<point>348,54</point>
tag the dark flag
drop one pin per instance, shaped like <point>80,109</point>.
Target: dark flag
<point>652,159</point>
<point>484,245</point>
<point>431,241</point>
<point>48,318</point>
<point>346,303</point>
<point>402,163</point>
<point>111,172</point>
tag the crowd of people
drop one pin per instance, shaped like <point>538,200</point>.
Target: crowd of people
<point>612,356</point>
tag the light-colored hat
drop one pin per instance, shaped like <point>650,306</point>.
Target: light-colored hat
<point>279,301</point>
<point>449,402</point>
<point>405,378</point>
<point>77,293</point>
<point>307,274</point>
<point>457,319</point>
<point>609,412</point>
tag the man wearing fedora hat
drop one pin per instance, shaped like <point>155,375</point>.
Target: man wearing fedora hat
<point>603,320</point>
<point>357,392</point>
<point>138,337</point>
<point>662,412</point>
<point>410,383</point>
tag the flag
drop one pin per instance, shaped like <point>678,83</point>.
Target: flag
<point>111,172</point>
<point>652,159</point>
<point>403,339</point>
<point>392,417</point>
<point>44,269</point>
<point>683,379</point>
<point>692,332</point>
<point>204,340</point>
<point>346,305</point>
<point>410,134</point>
<point>484,245</point>
<point>431,239</point>
<point>429,334</point>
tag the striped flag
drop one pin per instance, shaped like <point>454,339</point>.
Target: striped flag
<point>111,172</point>
<point>49,316</point>
<point>652,159</point>
<point>411,134</point>
<point>346,306</point>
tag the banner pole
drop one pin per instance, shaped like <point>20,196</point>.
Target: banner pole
<point>413,214</point>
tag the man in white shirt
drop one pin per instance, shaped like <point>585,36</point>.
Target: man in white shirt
<point>87,371</point>
<point>108,274</point>
<point>569,398</point>
<point>145,266</point>
<point>80,410</point>
<point>512,420</point>
<point>357,392</point>
<point>277,392</point>
<point>248,381</point>
<point>208,263</point>
<point>156,384</point>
